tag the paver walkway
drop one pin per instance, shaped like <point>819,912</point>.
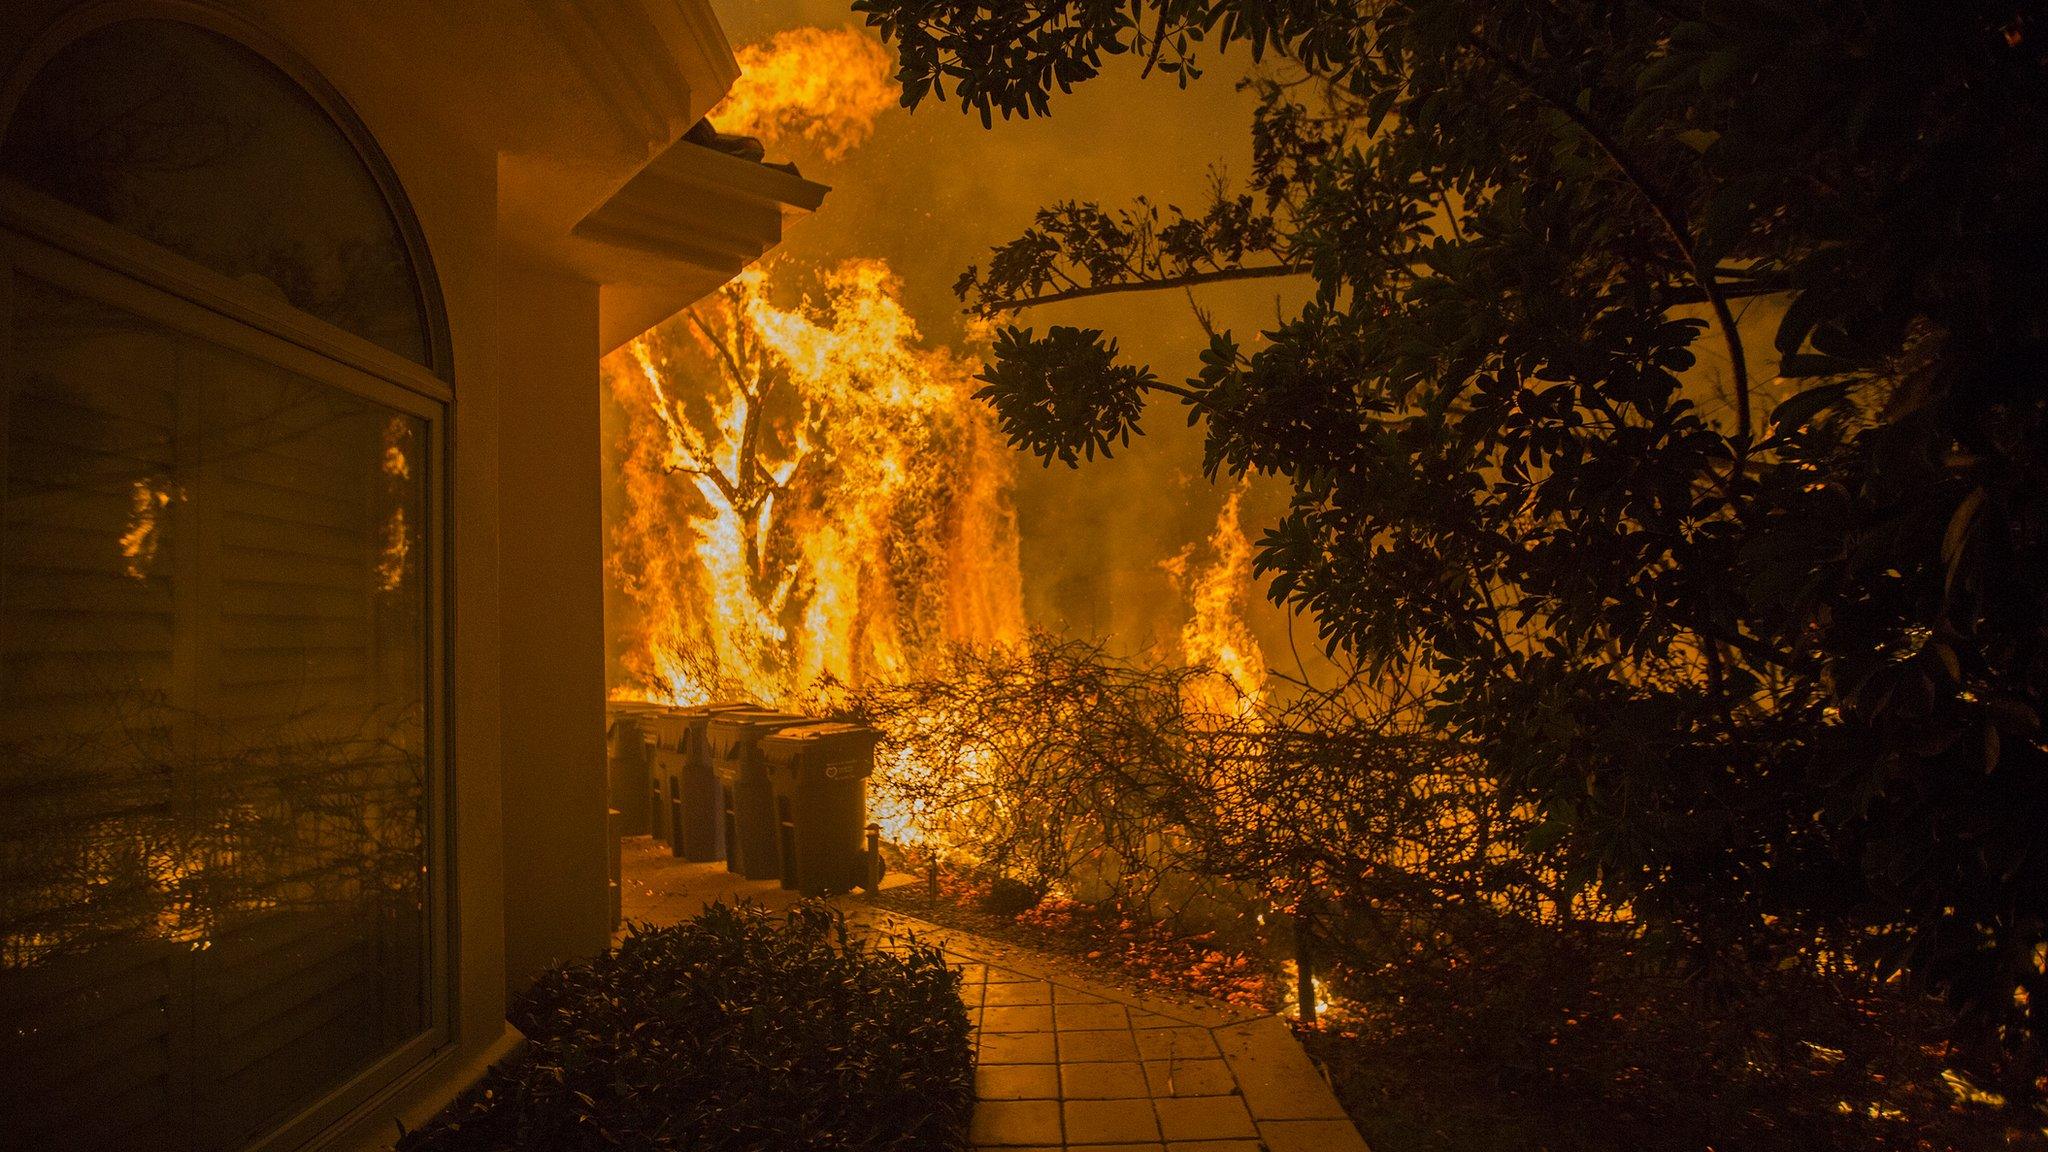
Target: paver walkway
<point>1068,1064</point>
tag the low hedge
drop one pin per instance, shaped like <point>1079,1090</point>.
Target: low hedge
<point>737,1031</point>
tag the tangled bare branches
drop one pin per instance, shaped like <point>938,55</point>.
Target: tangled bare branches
<point>1059,764</point>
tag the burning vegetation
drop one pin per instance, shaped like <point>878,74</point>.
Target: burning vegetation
<point>816,514</point>
<point>811,498</point>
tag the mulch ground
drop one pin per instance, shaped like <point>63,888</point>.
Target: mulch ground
<point>1143,960</point>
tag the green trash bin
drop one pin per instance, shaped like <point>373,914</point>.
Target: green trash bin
<point>629,763</point>
<point>746,799</point>
<point>696,809</point>
<point>818,774</point>
<point>667,734</point>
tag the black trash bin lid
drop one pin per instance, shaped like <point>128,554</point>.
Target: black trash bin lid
<point>827,736</point>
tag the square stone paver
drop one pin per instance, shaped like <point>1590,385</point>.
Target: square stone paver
<point>1088,1046</point>
<point>1110,1121</point>
<point>1001,1122</point>
<point>1177,1044</point>
<point>1018,1018</point>
<point>1103,1080</point>
<point>1017,1082</point>
<point>1190,1078</point>
<point>1017,1048</point>
<point>1067,1070</point>
<point>1204,1117</point>
<point>1013,995</point>
<point>1090,1017</point>
<point>1277,1078</point>
<point>1311,1136</point>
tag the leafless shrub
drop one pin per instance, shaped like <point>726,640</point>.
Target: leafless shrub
<point>1057,763</point>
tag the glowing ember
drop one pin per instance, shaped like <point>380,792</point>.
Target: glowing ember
<point>811,496</point>
<point>823,86</point>
<point>1332,1010</point>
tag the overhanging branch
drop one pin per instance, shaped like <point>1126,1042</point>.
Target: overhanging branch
<point>1185,280</point>
<point>1670,215</point>
<point>1673,297</point>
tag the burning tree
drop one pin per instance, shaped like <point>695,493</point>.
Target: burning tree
<point>811,497</point>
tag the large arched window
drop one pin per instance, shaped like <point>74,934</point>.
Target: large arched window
<point>222,395</point>
<point>180,135</point>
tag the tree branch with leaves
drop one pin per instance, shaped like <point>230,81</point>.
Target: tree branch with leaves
<point>1786,659</point>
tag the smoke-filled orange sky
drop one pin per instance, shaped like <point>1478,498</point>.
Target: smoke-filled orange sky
<point>930,192</point>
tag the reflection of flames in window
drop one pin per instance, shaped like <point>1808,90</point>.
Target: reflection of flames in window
<point>138,544</point>
<point>181,917</point>
<point>397,468</point>
<point>396,434</point>
<point>391,565</point>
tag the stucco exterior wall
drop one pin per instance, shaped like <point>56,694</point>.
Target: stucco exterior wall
<point>551,623</point>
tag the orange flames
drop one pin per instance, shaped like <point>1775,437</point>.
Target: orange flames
<point>1217,636</point>
<point>824,86</point>
<point>811,496</point>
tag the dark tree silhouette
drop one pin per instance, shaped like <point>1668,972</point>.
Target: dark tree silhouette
<point>1669,384</point>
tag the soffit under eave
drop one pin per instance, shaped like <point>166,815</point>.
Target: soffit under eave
<point>684,226</point>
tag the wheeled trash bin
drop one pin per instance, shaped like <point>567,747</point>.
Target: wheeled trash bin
<point>629,761</point>
<point>696,807</point>
<point>818,774</point>
<point>667,734</point>
<point>746,799</point>
<point>682,793</point>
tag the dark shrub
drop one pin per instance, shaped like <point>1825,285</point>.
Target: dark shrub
<point>1008,897</point>
<point>733,1032</point>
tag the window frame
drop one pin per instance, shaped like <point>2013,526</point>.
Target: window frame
<point>42,239</point>
<point>91,17</point>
